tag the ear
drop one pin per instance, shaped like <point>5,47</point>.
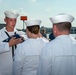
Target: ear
<point>5,19</point>
<point>54,28</point>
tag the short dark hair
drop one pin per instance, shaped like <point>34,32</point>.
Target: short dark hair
<point>34,29</point>
<point>63,26</point>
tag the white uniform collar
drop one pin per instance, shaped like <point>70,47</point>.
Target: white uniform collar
<point>7,31</point>
<point>61,36</point>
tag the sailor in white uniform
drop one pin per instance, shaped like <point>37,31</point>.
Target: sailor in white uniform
<point>59,56</point>
<point>27,54</point>
<point>7,48</point>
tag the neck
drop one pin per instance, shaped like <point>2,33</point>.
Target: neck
<point>35,36</point>
<point>63,33</point>
<point>9,29</point>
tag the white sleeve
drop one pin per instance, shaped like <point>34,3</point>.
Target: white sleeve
<point>18,61</point>
<point>44,63</point>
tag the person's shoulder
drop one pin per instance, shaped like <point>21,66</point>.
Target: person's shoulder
<point>44,39</point>
<point>2,29</point>
<point>27,41</point>
<point>24,44</point>
<point>21,32</point>
<point>72,39</point>
<point>49,47</point>
<point>52,43</point>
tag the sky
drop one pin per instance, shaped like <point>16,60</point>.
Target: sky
<point>38,9</point>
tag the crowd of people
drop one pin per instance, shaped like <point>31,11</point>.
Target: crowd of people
<point>34,54</point>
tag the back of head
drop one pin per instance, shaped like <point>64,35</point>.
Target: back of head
<point>62,21</point>
<point>33,26</point>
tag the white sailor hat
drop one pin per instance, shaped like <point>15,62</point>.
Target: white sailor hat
<point>62,18</point>
<point>11,14</point>
<point>33,22</point>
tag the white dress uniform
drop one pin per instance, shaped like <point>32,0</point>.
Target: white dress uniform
<point>27,56</point>
<point>6,52</point>
<point>59,56</point>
